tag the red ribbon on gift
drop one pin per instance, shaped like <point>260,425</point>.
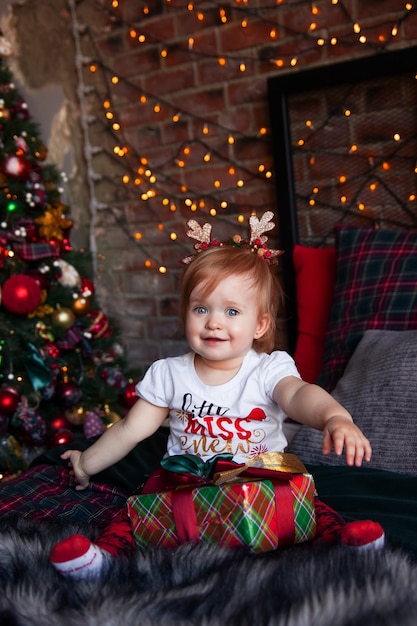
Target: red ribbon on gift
<point>185,518</point>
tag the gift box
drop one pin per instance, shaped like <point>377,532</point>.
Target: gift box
<point>261,514</point>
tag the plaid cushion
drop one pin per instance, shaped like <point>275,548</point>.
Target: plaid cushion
<point>48,491</point>
<point>376,288</point>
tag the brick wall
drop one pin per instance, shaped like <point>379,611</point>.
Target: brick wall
<point>176,74</point>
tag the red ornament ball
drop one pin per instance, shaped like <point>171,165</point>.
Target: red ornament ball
<point>61,437</point>
<point>9,400</point>
<point>69,392</point>
<point>59,423</point>
<point>17,166</point>
<point>129,395</point>
<point>21,294</point>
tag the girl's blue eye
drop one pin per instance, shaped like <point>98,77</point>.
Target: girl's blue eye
<point>232,312</point>
<point>200,310</point>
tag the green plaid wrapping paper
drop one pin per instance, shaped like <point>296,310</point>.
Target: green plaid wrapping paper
<point>237,514</point>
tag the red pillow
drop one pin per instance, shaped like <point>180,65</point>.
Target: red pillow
<point>315,278</point>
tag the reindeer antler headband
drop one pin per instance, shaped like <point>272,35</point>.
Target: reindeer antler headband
<point>256,243</point>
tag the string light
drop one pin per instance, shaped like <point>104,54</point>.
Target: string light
<point>210,154</point>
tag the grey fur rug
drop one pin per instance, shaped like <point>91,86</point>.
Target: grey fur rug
<point>204,585</point>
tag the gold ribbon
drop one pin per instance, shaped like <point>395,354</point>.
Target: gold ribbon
<point>275,461</point>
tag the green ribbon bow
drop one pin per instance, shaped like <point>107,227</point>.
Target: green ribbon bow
<point>190,464</point>
<point>40,375</point>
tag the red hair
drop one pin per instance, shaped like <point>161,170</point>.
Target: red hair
<point>210,267</point>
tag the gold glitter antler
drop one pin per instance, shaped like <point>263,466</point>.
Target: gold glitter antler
<point>201,233</point>
<point>260,226</point>
<point>256,244</point>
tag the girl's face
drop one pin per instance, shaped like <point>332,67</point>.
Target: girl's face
<point>221,326</point>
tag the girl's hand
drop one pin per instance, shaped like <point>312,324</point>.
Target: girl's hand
<point>74,458</point>
<point>340,433</point>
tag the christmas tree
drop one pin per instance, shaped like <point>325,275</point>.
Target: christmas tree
<point>62,369</point>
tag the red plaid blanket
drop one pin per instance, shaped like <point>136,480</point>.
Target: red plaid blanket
<point>48,491</point>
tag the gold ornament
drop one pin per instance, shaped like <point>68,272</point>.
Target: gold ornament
<point>4,114</point>
<point>81,305</point>
<point>63,317</point>
<point>52,223</point>
<point>75,415</point>
<point>110,417</point>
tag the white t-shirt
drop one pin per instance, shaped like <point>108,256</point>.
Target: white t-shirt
<point>239,417</point>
